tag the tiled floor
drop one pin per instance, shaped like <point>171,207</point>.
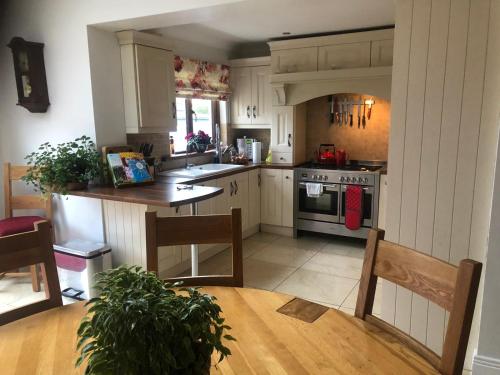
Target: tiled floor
<point>322,269</point>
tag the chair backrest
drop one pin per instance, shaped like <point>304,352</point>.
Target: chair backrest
<point>19,202</point>
<point>453,288</point>
<point>26,249</point>
<point>207,229</point>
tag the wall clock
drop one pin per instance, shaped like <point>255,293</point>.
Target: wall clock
<point>29,69</point>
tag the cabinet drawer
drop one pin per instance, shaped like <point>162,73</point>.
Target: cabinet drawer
<point>295,60</point>
<point>381,52</point>
<point>282,157</point>
<point>340,56</point>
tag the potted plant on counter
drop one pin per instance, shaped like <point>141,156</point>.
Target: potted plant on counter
<point>67,166</point>
<point>199,141</point>
<point>142,325</point>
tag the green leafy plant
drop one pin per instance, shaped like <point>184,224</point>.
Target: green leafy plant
<point>53,168</point>
<point>142,325</point>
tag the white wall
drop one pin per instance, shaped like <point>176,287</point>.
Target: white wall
<point>62,26</point>
<point>443,145</point>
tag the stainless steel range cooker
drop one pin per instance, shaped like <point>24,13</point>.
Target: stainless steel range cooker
<point>326,213</point>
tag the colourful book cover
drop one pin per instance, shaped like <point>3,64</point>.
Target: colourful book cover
<point>128,168</point>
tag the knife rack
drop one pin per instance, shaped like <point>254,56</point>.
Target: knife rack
<point>347,111</point>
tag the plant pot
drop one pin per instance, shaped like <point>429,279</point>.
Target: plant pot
<point>71,186</point>
<point>200,147</point>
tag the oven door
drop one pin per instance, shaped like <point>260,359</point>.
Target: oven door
<point>368,205</point>
<point>322,208</point>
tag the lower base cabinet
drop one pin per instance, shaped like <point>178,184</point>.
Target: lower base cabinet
<point>277,197</point>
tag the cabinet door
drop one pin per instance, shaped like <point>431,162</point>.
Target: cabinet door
<point>381,52</point>
<point>206,207</point>
<point>241,102</point>
<point>271,203</point>
<point>287,198</point>
<point>295,60</point>
<point>282,129</point>
<point>254,197</point>
<point>240,197</point>
<point>340,56</point>
<point>155,89</point>
<point>223,201</point>
<point>168,256</point>
<point>261,95</point>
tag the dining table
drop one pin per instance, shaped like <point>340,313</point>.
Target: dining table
<point>271,338</point>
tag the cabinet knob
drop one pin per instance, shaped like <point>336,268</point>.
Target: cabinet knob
<point>232,188</point>
<point>289,140</point>
<point>174,110</point>
<point>235,187</point>
<point>282,158</point>
<point>248,111</point>
<point>253,110</point>
<point>287,177</point>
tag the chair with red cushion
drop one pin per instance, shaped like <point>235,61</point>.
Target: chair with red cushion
<point>19,224</point>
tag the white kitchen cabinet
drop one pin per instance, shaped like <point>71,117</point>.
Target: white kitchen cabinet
<point>271,191</point>
<point>282,129</point>
<point>239,198</point>
<point>148,88</point>
<point>381,52</point>
<point>223,201</point>
<point>288,134</point>
<point>382,202</point>
<point>254,182</point>
<point>241,97</point>
<point>342,56</point>
<point>287,198</point>
<point>251,95</point>
<point>294,60</point>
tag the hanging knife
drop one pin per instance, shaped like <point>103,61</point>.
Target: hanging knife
<point>351,111</point>
<point>359,112</point>
<point>370,103</point>
<point>346,111</point>
<point>336,110</point>
<point>332,109</point>
<point>364,117</point>
<point>341,114</point>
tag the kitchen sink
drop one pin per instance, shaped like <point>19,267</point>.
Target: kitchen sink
<point>202,170</point>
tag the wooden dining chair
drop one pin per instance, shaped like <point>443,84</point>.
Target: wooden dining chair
<point>25,249</point>
<point>17,224</point>
<point>453,288</point>
<point>207,229</point>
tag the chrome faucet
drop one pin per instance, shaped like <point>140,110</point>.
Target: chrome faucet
<point>218,153</point>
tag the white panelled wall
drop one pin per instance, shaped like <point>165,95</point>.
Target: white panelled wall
<point>443,145</point>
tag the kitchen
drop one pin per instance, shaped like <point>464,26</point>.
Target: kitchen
<point>337,110</point>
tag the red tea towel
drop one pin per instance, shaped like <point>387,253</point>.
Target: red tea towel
<point>353,207</point>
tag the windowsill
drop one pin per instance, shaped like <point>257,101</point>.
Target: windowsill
<point>182,155</point>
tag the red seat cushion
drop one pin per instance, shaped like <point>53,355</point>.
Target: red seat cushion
<point>18,224</point>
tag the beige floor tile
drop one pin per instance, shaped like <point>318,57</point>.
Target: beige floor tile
<point>317,286</point>
<point>219,264</point>
<point>283,255</point>
<point>264,237</point>
<point>335,264</point>
<point>304,242</point>
<point>17,291</point>
<point>345,246</point>
<point>251,246</point>
<point>351,299</point>
<point>264,275</point>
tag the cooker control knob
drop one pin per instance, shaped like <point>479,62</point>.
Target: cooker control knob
<point>366,180</point>
<point>341,178</point>
<point>315,177</point>
<point>348,179</point>
<point>325,178</point>
<point>320,177</point>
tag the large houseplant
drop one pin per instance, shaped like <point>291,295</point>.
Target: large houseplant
<point>67,166</point>
<point>141,325</point>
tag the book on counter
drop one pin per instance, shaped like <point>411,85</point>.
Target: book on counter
<point>128,169</point>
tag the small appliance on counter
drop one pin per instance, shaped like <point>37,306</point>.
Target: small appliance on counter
<point>244,146</point>
<point>326,154</point>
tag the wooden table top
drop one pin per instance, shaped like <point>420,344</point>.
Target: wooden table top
<point>268,342</point>
<point>157,194</point>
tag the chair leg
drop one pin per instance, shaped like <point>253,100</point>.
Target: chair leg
<point>35,278</point>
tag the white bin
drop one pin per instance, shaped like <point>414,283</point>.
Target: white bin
<point>77,263</point>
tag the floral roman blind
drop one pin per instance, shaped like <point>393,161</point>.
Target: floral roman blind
<point>201,79</point>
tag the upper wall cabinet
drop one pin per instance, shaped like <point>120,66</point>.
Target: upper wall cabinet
<point>341,56</point>
<point>340,51</point>
<point>251,93</point>
<point>148,83</point>
<point>295,60</point>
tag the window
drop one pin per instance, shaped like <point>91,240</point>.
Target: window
<point>193,115</point>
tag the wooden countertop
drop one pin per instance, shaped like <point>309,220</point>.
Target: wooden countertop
<point>159,194</point>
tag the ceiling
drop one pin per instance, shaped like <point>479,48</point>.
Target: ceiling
<point>250,21</point>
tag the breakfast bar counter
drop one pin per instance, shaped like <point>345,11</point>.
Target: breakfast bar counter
<point>158,194</point>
